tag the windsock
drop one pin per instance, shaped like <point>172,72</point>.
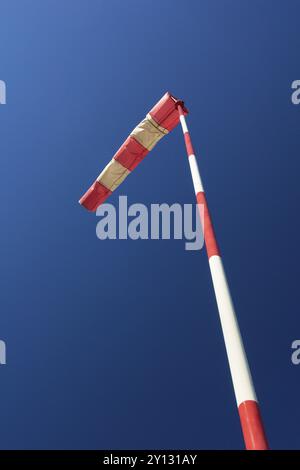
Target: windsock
<point>162,118</point>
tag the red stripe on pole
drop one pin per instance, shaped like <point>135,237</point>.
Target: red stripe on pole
<point>252,426</point>
<point>209,233</point>
<point>188,143</point>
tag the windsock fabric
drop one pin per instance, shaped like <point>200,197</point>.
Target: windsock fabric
<point>162,118</point>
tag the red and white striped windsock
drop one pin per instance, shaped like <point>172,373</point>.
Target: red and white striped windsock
<point>251,421</point>
<point>162,118</point>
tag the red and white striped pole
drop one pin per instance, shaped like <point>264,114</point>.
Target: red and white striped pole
<point>251,421</point>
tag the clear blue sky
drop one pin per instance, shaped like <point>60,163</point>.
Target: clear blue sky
<point>117,344</point>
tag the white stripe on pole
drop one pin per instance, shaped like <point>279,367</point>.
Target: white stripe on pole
<point>183,124</point>
<point>198,186</point>
<point>240,372</point>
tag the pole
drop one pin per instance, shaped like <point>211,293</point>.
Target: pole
<point>248,408</point>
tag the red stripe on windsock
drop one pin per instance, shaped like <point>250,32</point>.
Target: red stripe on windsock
<point>131,153</point>
<point>252,426</point>
<point>209,233</point>
<point>94,196</point>
<point>165,111</point>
